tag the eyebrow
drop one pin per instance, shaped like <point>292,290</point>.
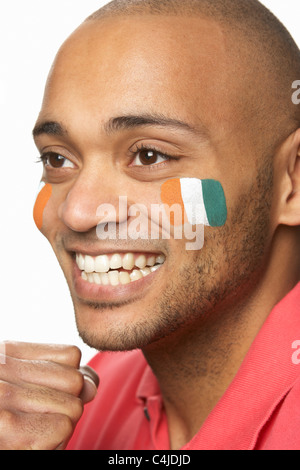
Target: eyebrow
<point>145,120</point>
<point>49,128</point>
<point>123,123</point>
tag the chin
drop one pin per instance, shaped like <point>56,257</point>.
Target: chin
<point>114,327</point>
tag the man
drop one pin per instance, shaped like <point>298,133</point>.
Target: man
<point>197,345</point>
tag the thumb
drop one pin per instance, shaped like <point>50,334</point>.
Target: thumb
<point>91,384</point>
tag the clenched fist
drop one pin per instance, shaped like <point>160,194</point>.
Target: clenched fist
<point>42,393</point>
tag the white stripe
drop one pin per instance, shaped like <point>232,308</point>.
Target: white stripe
<point>192,196</point>
<point>41,185</point>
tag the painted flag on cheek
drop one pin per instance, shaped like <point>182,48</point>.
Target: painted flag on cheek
<point>41,202</point>
<point>201,201</point>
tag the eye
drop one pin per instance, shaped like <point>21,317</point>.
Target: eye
<point>55,160</point>
<point>147,157</point>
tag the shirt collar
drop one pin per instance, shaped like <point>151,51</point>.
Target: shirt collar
<point>148,386</point>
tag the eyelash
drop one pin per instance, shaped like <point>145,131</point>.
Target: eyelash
<point>45,156</point>
<point>134,153</point>
<point>141,147</point>
<point>40,159</point>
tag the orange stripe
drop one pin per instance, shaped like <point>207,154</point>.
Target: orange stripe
<point>40,204</point>
<point>171,194</point>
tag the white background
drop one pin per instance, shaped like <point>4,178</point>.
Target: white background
<point>35,304</point>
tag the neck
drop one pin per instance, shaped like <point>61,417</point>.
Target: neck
<point>195,366</point>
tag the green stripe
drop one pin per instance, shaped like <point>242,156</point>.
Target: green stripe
<point>215,202</point>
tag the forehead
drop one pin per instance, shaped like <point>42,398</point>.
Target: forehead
<point>141,64</point>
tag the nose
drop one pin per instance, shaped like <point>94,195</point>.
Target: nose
<point>91,191</point>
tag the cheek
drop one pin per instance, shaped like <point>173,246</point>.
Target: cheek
<point>40,205</point>
<point>197,202</point>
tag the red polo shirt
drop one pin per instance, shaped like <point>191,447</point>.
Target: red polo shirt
<point>260,410</point>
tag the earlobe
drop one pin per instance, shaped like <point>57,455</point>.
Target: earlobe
<point>290,210</point>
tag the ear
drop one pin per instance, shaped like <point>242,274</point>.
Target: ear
<point>289,212</point>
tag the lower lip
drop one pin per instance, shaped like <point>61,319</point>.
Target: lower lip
<point>94,292</point>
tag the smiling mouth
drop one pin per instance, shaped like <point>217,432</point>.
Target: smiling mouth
<point>117,268</point>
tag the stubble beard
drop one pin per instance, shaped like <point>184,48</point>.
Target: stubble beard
<point>223,273</point>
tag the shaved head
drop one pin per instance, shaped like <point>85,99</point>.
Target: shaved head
<point>265,60</point>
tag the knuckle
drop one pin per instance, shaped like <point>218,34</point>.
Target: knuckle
<point>76,409</point>
<point>9,390</point>
<point>60,429</point>
<point>46,433</point>
<point>9,426</point>
<point>7,420</point>
<point>4,390</point>
<point>33,432</point>
<point>65,427</point>
<point>72,355</point>
<point>76,382</point>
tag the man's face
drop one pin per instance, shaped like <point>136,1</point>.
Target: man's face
<point>136,102</point>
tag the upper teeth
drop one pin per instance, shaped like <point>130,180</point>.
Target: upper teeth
<point>104,264</point>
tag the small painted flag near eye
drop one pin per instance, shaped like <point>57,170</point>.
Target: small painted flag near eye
<point>45,191</point>
<point>201,201</point>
